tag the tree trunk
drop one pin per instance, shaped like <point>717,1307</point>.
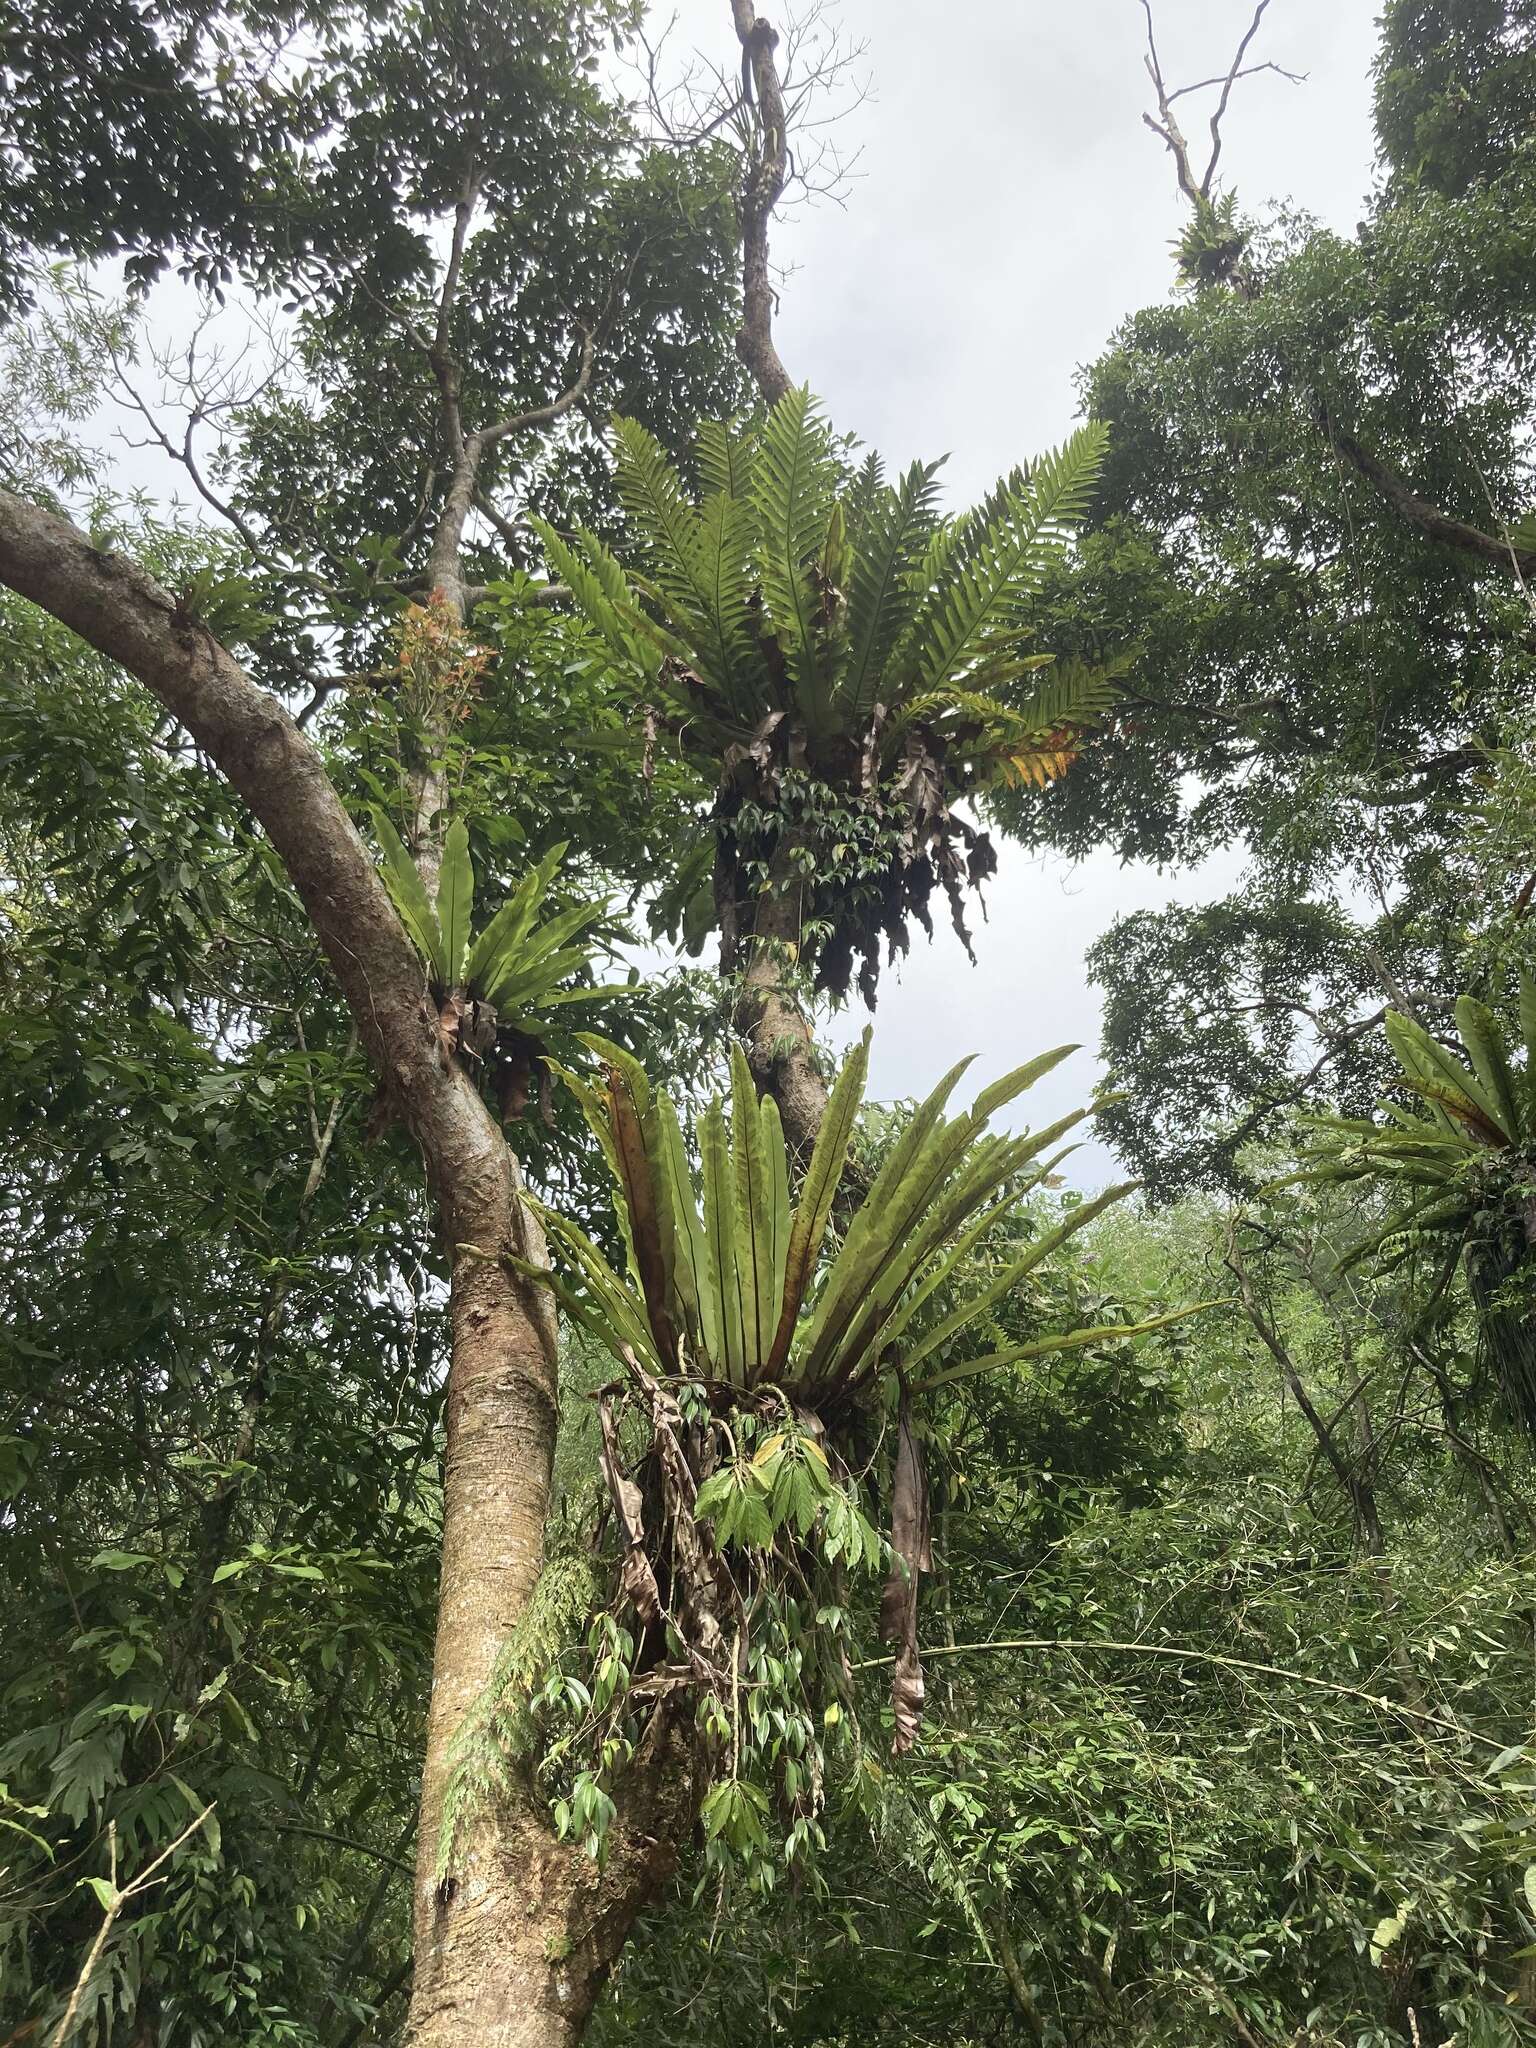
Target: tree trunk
<point>516,1948</point>
<point>515,1942</point>
<point>768,1014</point>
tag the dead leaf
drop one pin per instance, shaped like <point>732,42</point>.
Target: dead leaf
<point>635,1572</point>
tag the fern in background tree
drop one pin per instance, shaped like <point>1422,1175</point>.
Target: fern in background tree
<point>1468,1170</point>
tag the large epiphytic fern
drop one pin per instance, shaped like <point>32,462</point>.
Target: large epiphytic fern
<point>729,1286</point>
<point>834,642</point>
<point>760,1349</point>
<point>499,991</point>
<point>1464,1171</point>
<point>791,588</point>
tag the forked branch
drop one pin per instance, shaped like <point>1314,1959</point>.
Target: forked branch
<point>1427,518</point>
<point>1165,123</point>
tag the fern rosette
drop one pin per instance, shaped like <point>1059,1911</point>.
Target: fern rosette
<point>498,992</point>
<point>844,661</point>
<point>1464,1172</point>
<point>762,1440</point>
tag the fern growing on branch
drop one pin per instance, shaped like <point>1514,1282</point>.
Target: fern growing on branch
<point>844,661</point>
<point>764,1419</point>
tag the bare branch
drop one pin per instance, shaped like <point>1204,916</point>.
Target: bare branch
<point>1198,190</point>
<point>1168,127</point>
<point>1226,94</point>
<point>116,1900</point>
<point>1231,77</point>
<point>1188,1654</point>
<point>204,404</point>
<point>1354,1484</point>
<point>546,415</point>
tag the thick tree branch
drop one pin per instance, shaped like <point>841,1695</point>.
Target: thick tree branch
<point>502,1394</point>
<point>763,181</point>
<point>444,564</point>
<point>124,614</point>
<point>1428,518</point>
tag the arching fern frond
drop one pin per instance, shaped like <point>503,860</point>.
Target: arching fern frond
<point>888,542</point>
<point>997,561</point>
<point>698,562</point>
<point>794,486</point>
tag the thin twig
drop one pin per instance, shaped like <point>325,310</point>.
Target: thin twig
<point>114,1906</point>
<point>1181,1653</point>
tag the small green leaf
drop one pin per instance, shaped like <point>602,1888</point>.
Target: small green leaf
<point>118,1560</point>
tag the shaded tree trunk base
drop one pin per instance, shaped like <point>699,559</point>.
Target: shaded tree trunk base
<point>515,1950</point>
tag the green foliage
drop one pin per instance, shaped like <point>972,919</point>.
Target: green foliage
<point>515,964</point>
<point>1174,1774</point>
<point>760,1349</point>
<point>498,1736</point>
<point>1204,1010</point>
<point>848,584</point>
<point>833,653</point>
<point>739,1292</point>
<point>1210,1754</point>
<point>219,1397</point>
<point>1453,90</point>
<point>1465,1173</point>
<point>1212,244</point>
<point>1318,676</point>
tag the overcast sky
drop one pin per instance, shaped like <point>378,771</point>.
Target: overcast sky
<point>1007,211</point>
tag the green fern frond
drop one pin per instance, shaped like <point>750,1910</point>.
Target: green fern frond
<point>603,597</point>
<point>867,492</point>
<point>889,540</point>
<point>1069,695</point>
<point>729,528</point>
<point>699,562</point>
<point>652,494</point>
<point>982,593</point>
<point>793,490</point>
<point>989,714</point>
<point>725,456</point>
<point>1070,692</point>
